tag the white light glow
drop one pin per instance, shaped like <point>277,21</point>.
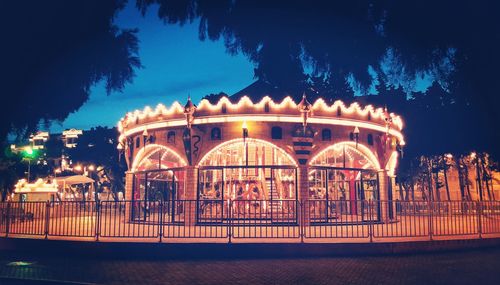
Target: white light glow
<point>248,141</point>
<point>361,149</point>
<point>245,101</point>
<point>149,149</point>
<point>160,109</point>
<point>265,118</point>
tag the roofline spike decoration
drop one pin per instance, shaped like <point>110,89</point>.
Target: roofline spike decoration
<point>189,110</point>
<point>304,109</point>
<point>388,119</point>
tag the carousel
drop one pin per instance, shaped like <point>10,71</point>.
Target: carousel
<point>260,159</point>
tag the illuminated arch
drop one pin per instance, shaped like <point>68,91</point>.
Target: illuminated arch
<point>392,162</point>
<point>237,144</point>
<point>366,157</point>
<point>146,156</point>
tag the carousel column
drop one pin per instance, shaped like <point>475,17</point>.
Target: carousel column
<point>385,205</point>
<point>129,186</point>
<point>303,184</point>
<point>191,195</point>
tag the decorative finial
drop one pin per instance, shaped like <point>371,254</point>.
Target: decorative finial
<point>304,105</point>
<point>388,120</point>
<point>356,135</point>
<point>304,108</point>
<point>189,110</point>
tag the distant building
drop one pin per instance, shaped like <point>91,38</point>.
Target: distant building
<point>51,147</point>
<point>39,140</point>
<point>70,137</point>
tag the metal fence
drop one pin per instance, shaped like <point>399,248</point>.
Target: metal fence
<point>142,221</point>
<point>3,218</point>
<point>71,218</point>
<point>264,219</point>
<point>191,219</point>
<point>489,218</point>
<point>239,220</point>
<point>455,218</point>
<point>411,219</point>
<point>28,218</point>
<point>338,218</point>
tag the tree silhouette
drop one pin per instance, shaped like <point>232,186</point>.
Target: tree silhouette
<point>53,52</point>
<point>454,42</point>
<point>97,146</point>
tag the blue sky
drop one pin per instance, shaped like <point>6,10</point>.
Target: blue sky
<point>176,63</point>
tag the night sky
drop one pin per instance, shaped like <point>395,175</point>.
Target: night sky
<point>176,63</point>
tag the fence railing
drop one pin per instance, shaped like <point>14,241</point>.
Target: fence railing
<point>143,220</point>
<point>338,218</point>
<point>71,218</point>
<point>233,220</point>
<point>264,219</point>
<point>411,219</point>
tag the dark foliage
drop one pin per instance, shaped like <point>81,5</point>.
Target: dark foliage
<point>214,97</point>
<point>53,52</point>
<point>98,147</point>
<point>456,43</point>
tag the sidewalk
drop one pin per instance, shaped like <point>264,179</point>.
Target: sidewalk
<point>458,267</point>
<point>128,249</point>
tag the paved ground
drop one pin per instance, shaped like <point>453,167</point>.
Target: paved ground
<point>467,267</point>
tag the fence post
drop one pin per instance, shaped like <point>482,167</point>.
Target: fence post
<point>47,219</point>
<point>98,220</point>
<point>479,213</point>
<point>301,222</point>
<point>160,219</point>
<point>370,221</point>
<point>230,219</point>
<point>431,209</point>
<point>7,220</point>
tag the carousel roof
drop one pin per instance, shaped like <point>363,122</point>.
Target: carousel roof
<point>245,104</point>
<point>248,105</point>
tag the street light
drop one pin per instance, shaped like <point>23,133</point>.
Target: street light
<point>29,150</point>
<point>472,155</point>
<point>356,135</point>
<point>399,148</point>
<point>28,154</point>
<point>244,128</point>
<point>119,147</point>
<point>145,136</point>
